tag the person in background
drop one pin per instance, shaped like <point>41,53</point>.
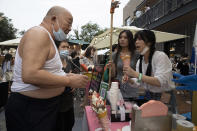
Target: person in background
<point>6,64</point>
<point>7,68</point>
<point>153,69</point>
<point>65,118</point>
<point>88,58</point>
<point>106,69</point>
<point>138,13</point>
<point>183,65</point>
<point>146,8</point>
<point>5,78</point>
<point>39,79</point>
<point>125,47</point>
<point>75,62</point>
<point>115,48</point>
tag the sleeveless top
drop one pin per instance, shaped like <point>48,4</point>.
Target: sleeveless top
<point>53,66</point>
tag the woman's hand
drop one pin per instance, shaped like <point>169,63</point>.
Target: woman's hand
<point>109,64</point>
<point>131,81</point>
<point>125,78</point>
<point>112,65</point>
<point>130,72</point>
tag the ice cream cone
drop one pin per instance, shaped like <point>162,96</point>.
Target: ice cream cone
<point>104,121</point>
<point>126,62</point>
<point>99,106</point>
<point>102,114</point>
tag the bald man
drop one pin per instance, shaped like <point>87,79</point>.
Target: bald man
<point>38,76</point>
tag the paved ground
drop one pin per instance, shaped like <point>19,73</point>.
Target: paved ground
<point>78,115</point>
<point>2,121</point>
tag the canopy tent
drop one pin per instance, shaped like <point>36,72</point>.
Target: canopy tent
<point>103,40</point>
<point>13,42</point>
<point>80,42</point>
<point>102,52</point>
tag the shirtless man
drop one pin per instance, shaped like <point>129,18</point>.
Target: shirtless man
<point>38,76</point>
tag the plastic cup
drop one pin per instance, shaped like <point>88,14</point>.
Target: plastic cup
<point>114,85</point>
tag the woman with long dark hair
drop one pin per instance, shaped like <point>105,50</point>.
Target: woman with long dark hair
<point>153,69</point>
<point>125,47</point>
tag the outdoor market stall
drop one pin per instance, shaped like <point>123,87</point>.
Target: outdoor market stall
<point>151,116</point>
<point>103,40</point>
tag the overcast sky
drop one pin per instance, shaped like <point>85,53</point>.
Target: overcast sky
<point>28,13</point>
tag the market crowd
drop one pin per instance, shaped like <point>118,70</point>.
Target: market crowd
<point>45,73</point>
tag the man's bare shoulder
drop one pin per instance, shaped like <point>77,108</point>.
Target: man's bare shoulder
<point>34,41</point>
<point>35,35</point>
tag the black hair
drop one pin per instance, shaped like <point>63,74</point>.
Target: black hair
<point>114,47</point>
<point>148,37</point>
<point>88,51</point>
<point>131,45</point>
<point>58,43</point>
<point>185,55</point>
<point>73,54</point>
<point>8,57</point>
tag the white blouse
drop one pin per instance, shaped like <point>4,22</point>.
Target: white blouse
<point>161,69</point>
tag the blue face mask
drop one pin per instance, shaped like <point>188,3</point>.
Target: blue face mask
<point>59,35</point>
<point>64,54</point>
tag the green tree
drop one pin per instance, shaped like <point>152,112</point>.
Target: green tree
<point>76,32</point>
<point>22,32</point>
<point>7,30</point>
<point>88,32</point>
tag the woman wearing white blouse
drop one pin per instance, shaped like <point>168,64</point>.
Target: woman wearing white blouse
<point>153,69</point>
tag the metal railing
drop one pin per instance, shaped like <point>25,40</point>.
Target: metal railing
<point>159,10</point>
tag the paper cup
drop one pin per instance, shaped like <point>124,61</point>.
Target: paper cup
<point>88,74</point>
<point>176,117</point>
<point>183,125</point>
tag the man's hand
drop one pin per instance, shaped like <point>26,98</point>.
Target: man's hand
<point>77,80</point>
<point>189,81</point>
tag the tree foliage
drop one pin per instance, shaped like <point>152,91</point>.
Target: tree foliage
<point>22,32</point>
<point>88,32</point>
<point>76,31</point>
<point>7,30</point>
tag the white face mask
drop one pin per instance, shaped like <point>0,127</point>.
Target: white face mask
<point>144,50</point>
<point>64,53</point>
<point>59,35</point>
